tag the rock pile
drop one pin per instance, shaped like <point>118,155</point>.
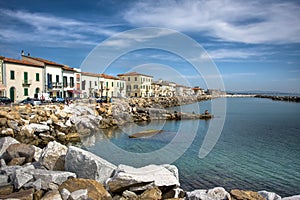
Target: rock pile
<point>69,173</point>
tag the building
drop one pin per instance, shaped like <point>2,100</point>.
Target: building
<point>164,88</point>
<point>92,85</point>
<point>137,85</point>
<point>53,75</point>
<point>198,91</point>
<point>22,78</point>
<point>114,87</point>
<point>215,92</point>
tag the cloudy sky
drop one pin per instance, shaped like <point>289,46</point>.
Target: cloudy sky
<point>255,45</point>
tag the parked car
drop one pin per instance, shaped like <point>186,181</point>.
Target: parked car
<point>31,101</point>
<point>102,100</point>
<point>58,100</point>
<point>5,100</point>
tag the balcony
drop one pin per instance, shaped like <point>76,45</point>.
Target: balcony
<point>26,83</point>
<point>56,85</point>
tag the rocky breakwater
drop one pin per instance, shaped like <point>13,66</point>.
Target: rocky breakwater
<point>280,98</point>
<point>58,172</point>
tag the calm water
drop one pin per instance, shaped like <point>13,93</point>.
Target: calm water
<point>259,148</point>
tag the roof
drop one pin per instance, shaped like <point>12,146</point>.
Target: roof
<point>22,62</point>
<point>1,57</point>
<point>68,68</point>
<point>134,74</point>
<point>90,74</point>
<point>108,77</point>
<point>48,62</point>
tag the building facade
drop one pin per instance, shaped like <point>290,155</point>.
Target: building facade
<point>22,79</point>
<point>137,85</point>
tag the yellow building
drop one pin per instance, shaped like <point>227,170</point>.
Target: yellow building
<point>137,85</point>
<point>22,78</point>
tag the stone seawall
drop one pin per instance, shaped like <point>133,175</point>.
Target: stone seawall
<point>38,125</point>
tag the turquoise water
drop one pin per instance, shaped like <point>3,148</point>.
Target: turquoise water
<point>259,148</point>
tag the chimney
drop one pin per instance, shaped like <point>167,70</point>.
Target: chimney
<point>28,54</point>
<point>22,53</point>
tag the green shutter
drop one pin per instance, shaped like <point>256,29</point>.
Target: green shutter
<point>12,75</point>
<point>25,77</point>
<point>25,91</point>
<point>37,77</point>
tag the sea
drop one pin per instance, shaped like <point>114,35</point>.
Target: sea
<point>257,147</point>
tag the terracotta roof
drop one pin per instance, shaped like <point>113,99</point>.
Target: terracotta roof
<point>197,88</point>
<point>133,74</point>
<point>22,62</point>
<point>108,77</point>
<point>68,68</point>
<point>1,57</point>
<point>90,74</point>
<point>48,62</point>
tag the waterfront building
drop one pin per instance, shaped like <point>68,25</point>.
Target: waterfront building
<point>92,85</point>
<point>198,91</point>
<point>22,78</point>
<point>215,92</point>
<point>137,85</point>
<point>53,75</point>
<point>164,88</point>
<point>113,86</point>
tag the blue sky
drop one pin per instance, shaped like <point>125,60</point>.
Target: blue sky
<point>254,44</point>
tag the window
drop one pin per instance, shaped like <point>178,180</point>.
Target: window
<point>25,77</point>
<point>12,75</point>
<point>106,84</point>
<point>95,83</point>
<point>57,78</point>
<point>77,86</point>
<point>77,77</point>
<point>65,81</point>
<point>90,84</point>
<point>117,84</point>
<point>135,87</point>
<point>128,78</point>
<point>25,91</point>
<point>37,77</point>
<point>83,85</point>
<point>71,81</point>
<point>135,78</point>
<point>112,84</point>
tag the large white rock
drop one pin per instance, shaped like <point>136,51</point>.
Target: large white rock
<point>269,195</point>
<point>53,156</point>
<point>217,193</point>
<point>134,179</point>
<point>39,128</point>
<point>5,143</point>
<point>48,178</point>
<point>87,165</point>
<point>296,197</point>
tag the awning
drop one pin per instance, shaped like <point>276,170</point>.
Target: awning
<point>2,87</point>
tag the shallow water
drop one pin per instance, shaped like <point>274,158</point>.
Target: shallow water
<point>259,148</point>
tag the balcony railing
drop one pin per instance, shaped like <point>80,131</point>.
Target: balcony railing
<point>56,84</point>
<point>26,83</point>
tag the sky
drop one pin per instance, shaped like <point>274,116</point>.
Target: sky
<point>251,45</point>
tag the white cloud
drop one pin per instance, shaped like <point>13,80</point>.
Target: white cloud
<point>229,20</point>
<point>48,30</point>
<point>237,53</point>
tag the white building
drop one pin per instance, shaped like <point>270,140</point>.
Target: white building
<point>22,78</point>
<point>92,85</point>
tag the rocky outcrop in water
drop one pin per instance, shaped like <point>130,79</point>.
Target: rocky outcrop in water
<point>280,98</point>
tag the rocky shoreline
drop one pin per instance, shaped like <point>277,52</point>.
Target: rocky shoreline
<point>59,172</point>
<point>39,125</point>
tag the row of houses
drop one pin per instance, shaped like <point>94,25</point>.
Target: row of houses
<point>30,76</point>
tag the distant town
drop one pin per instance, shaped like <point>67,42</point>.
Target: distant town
<point>33,77</point>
